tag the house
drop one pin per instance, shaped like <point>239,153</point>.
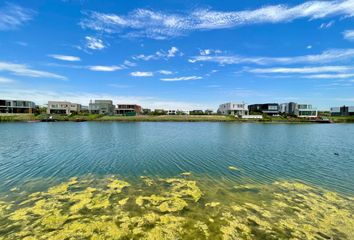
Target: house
<point>146,111</point>
<point>171,112</point>
<point>101,107</point>
<point>128,109</point>
<point>208,112</point>
<point>342,111</point>
<point>17,106</point>
<point>196,112</point>
<point>288,108</point>
<point>306,111</point>
<point>267,108</point>
<point>63,107</point>
<point>239,109</point>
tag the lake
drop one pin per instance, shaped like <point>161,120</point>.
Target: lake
<point>109,180</point>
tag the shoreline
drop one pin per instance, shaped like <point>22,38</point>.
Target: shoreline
<point>161,118</point>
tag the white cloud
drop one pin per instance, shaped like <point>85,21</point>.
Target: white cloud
<point>326,25</point>
<point>172,52</point>
<point>302,70</point>
<point>189,78</point>
<point>165,72</point>
<point>349,35</point>
<point>24,70</point>
<point>104,68</point>
<point>94,43</point>
<point>6,80</point>
<point>129,63</point>
<point>161,54</point>
<point>161,25</point>
<point>330,76</point>
<point>205,52</point>
<point>65,57</point>
<point>141,74</point>
<point>13,16</point>
<point>309,47</point>
<point>328,56</point>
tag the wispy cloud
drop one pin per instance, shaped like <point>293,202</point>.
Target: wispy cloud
<point>204,52</point>
<point>328,56</point>
<point>141,74</point>
<point>349,35</point>
<point>303,70</point>
<point>128,63</point>
<point>165,72</point>
<point>189,78</point>
<point>162,25</point>
<point>161,54</point>
<point>24,70</point>
<point>13,16</point>
<point>6,80</point>
<point>65,57</point>
<point>329,76</point>
<point>327,25</point>
<point>94,43</point>
<point>104,68</point>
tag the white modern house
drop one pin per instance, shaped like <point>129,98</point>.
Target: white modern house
<point>306,111</point>
<point>231,108</point>
<point>299,110</point>
<point>63,107</point>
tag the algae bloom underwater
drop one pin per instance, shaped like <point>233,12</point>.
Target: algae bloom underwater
<point>176,181</point>
<point>184,207</point>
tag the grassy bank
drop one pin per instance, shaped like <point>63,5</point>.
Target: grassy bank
<point>163,118</point>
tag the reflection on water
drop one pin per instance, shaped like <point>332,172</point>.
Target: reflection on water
<point>185,207</point>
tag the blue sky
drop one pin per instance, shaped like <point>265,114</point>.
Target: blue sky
<point>178,54</point>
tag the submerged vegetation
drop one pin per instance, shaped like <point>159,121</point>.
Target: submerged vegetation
<point>175,208</point>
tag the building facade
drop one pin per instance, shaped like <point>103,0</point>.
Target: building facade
<point>101,107</point>
<point>306,111</point>
<point>63,107</point>
<point>343,111</point>
<point>231,108</point>
<point>128,109</point>
<point>267,108</point>
<point>17,106</point>
<point>288,108</point>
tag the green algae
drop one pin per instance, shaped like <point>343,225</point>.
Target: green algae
<point>233,168</point>
<point>176,208</point>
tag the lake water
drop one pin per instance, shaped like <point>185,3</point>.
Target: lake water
<point>114,180</point>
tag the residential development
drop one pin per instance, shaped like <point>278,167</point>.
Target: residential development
<point>237,109</point>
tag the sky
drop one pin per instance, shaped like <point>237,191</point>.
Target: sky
<point>176,54</point>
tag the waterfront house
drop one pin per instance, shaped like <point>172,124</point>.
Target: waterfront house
<point>208,112</point>
<point>342,111</point>
<point>298,110</point>
<point>17,106</point>
<point>231,108</point>
<point>306,111</point>
<point>266,108</point>
<point>171,112</point>
<point>196,112</point>
<point>101,107</point>
<point>288,108</point>
<point>146,111</point>
<point>128,109</point>
<point>63,107</point>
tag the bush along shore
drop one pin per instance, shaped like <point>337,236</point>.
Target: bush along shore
<point>162,118</point>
